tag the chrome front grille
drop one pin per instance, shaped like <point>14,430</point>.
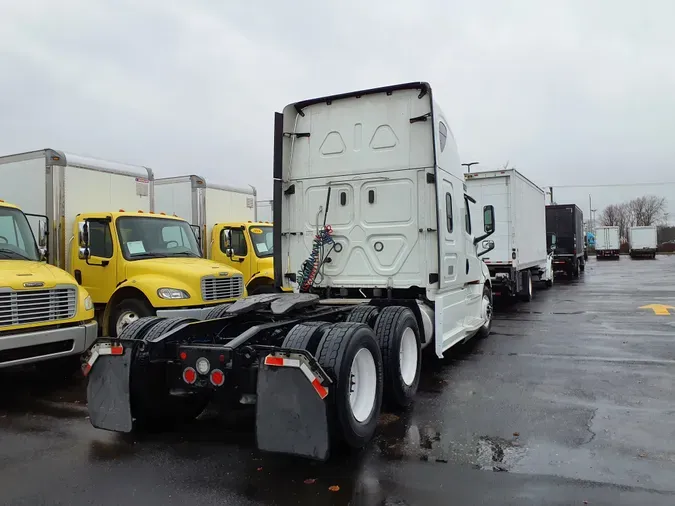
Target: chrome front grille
<point>18,307</point>
<point>222,288</point>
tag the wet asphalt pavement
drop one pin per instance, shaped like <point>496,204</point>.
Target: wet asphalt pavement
<point>571,399</point>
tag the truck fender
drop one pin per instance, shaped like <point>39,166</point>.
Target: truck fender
<point>263,277</point>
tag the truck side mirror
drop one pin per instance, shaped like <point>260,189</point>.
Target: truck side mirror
<point>489,219</point>
<point>42,241</point>
<point>83,240</point>
<point>228,243</point>
<point>488,246</point>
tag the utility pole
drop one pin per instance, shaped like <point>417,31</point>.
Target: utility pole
<point>590,210</point>
<point>468,165</point>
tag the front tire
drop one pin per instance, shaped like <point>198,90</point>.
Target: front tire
<point>487,311</point>
<point>398,336</point>
<point>349,353</point>
<point>126,312</point>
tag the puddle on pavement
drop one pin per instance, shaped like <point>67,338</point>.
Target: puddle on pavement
<point>399,440</point>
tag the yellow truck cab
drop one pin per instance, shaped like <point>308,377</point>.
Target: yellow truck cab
<point>138,264</point>
<point>248,248</point>
<point>44,314</point>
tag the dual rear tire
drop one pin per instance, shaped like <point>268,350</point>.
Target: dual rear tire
<point>373,358</point>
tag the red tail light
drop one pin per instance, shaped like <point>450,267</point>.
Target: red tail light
<point>217,377</point>
<point>189,375</point>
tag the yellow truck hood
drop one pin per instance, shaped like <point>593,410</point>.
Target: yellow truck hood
<point>17,273</point>
<point>182,269</point>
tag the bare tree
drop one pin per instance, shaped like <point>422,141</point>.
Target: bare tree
<point>642,211</point>
<point>611,215</point>
<point>649,210</point>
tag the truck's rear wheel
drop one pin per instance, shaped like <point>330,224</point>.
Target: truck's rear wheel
<point>152,407</point>
<point>363,313</point>
<point>486,312</point>
<point>125,313</point>
<point>398,336</point>
<point>527,290</point>
<point>306,336</point>
<point>582,266</point>
<point>349,353</point>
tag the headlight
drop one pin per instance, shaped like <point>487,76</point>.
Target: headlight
<point>172,293</point>
<point>88,304</point>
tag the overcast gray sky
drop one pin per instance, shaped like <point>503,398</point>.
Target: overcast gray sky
<point>573,92</point>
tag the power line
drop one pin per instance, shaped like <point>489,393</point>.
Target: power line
<point>609,185</point>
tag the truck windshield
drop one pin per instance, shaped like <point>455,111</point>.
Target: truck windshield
<point>16,237</point>
<point>145,237</point>
<point>261,237</point>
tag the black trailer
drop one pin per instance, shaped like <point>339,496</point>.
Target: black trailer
<point>565,228</point>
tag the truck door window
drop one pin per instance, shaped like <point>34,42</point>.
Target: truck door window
<point>448,212</point>
<point>467,215</point>
<point>238,243</point>
<point>100,239</point>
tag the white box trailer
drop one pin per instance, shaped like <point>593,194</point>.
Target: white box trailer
<point>607,242</point>
<point>520,255</point>
<point>60,185</point>
<point>265,210</point>
<point>643,241</point>
<point>204,204</point>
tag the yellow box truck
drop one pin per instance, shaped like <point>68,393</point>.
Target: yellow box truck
<point>104,231</point>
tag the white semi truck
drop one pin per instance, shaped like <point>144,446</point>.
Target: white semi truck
<point>643,241</point>
<point>520,255</point>
<point>607,242</point>
<point>377,235</point>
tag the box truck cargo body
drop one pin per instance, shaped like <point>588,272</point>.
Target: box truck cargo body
<point>204,204</point>
<point>565,235</point>
<point>520,255</point>
<point>642,241</point>
<point>265,210</point>
<point>223,219</point>
<point>104,232</point>
<point>607,242</point>
<point>375,230</point>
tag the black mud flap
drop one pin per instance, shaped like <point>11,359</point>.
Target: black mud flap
<point>108,392</point>
<point>291,417</point>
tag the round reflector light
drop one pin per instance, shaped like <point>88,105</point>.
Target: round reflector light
<point>189,375</point>
<point>203,365</point>
<point>217,377</point>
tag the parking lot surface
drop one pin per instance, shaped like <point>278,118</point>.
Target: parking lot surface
<point>569,401</point>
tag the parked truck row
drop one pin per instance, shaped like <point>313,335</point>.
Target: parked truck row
<point>104,253</point>
<point>379,252</point>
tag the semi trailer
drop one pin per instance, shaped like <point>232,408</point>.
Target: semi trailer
<point>376,233</point>
<point>45,317</point>
<point>103,230</point>
<point>643,241</point>
<point>565,224</point>
<point>607,242</point>
<point>520,256</point>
